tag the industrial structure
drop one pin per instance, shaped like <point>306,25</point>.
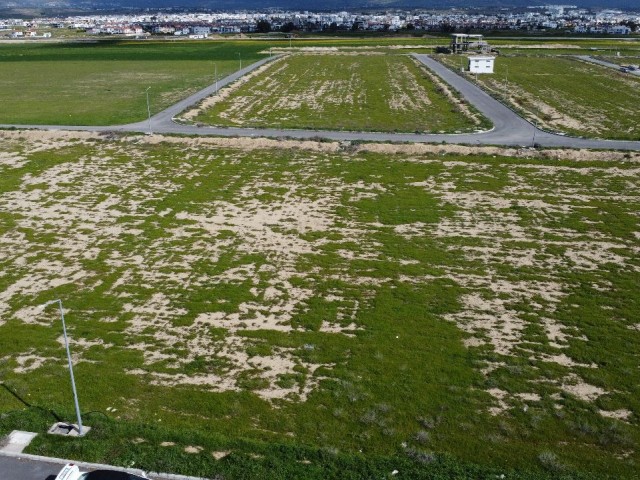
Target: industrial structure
<point>463,42</point>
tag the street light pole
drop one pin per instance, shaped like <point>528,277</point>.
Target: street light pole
<point>535,127</point>
<point>240,58</point>
<point>215,66</point>
<point>149,110</point>
<point>506,82</point>
<point>73,382</point>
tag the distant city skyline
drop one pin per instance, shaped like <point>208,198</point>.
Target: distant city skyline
<point>199,24</point>
<point>301,4</point>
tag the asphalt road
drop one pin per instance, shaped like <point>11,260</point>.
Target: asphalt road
<point>588,58</point>
<point>509,128</point>
<point>16,468</point>
<point>32,467</point>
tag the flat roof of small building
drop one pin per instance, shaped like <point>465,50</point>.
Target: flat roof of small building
<point>466,35</point>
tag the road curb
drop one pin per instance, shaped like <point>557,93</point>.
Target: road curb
<point>97,466</point>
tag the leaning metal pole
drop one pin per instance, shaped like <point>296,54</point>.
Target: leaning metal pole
<point>73,382</point>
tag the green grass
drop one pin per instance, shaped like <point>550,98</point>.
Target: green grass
<point>534,45</point>
<point>168,258</point>
<point>566,95</point>
<point>104,83</point>
<point>370,92</point>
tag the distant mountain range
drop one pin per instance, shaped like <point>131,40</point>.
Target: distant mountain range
<point>301,4</point>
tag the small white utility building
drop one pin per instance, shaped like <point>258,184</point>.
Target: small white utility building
<point>481,64</point>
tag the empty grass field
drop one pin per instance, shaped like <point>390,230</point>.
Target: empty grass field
<point>568,46</point>
<point>342,91</point>
<point>566,95</point>
<point>264,308</point>
<point>104,83</point>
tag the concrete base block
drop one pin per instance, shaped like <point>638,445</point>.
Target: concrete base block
<point>68,429</point>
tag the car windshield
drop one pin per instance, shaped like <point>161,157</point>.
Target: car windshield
<point>109,475</point>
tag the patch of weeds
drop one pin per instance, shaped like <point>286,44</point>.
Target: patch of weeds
<point>259,349</point>
<point>251,380</point>
<point>550,461</point>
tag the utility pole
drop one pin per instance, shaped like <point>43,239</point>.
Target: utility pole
<point>148,111</point>
<point>215,67</point>
<point>506,81</point>
<point>73,382</point>
<point>240,58</point>
<point>535,127</point>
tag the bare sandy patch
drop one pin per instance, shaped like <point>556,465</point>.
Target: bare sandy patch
<point>193,449</point>
<point>528,396</point>
<point>499,397</point>
<point>219,455</point>
<point>543,46</point>
<point>44,140</point>
<point>243,143</point>
<point>12,160</point>
<point>565,361</point>
<point>30,361</point>
<point>580,389</point>
<point>422,150</point>
<point>621,414</point>
<point>473,342</point>
<point>555,333</point>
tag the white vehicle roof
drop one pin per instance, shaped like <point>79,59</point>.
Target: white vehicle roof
<point>72,472</point>
<point>69,472</point>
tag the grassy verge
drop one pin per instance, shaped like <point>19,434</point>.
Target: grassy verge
<point>146,446</point>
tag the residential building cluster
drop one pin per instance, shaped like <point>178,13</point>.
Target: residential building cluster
<point>564,18</point>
